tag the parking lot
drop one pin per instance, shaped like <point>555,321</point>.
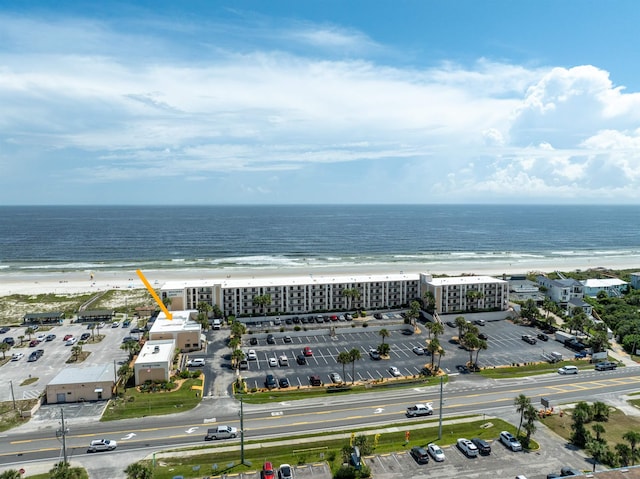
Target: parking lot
<point>505,347</point>
<point>56,353</point>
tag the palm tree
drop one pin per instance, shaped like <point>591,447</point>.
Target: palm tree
<point>343,358</point>
<point>4,347</point>
<point>600,411</point>
<point>137,470</point>
<point>521,403</point>
<point>482,346</point>
<point>354,355</point>
<point>10,474</point>
<point>441,354</point>
<point>430,300</point>
<point>21,338</point>
<point>633,438</point>
<point>384,333</point>
<point>132,347</point>
<point>599,430</point>
<point>236,356</point>
<point>262,300</point>
<point>29,331</point>
<point>530,416</point>
<point>624,453</point>
<point>471,342</point>
<point>167,302</point>
<point>460,323</point>
<point>350,294</point>
<point>204,308</point>
<point>76,350</point>
<point>125,373</point>
<point>437,329</point>
<point>433,347</point>
<point>234,342</point>
<point>93,329</point>
<point>474,296</point>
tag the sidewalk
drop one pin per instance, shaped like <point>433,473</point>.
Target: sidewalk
<point>620,355</point>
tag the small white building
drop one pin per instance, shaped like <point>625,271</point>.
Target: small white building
<point>154,362</point>
<point>186,333</point>
<point>614,287</point>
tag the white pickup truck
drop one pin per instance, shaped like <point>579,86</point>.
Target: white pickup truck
<point>420,410</point>
<point>221,432</point>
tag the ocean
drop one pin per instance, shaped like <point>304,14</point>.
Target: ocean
<point>224,238</point>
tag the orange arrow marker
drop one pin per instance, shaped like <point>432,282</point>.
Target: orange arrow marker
<point>155,296</point>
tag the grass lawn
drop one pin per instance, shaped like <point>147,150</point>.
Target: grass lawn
<point>28,381</point>
<point>9,417</point>
<point>141,404</point>
<point>311,392</point>
<point>323,449</point>
<point>531,369</point>
<point>615,427</point>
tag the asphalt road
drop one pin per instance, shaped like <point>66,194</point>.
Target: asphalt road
<point>464,394</point>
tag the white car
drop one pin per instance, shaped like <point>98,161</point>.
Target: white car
<point>71,341</point>
<point>285,471</point>
<point>418,350</point>
<point>17,356</point>
<point>196,362</point>
<point>435,452</point>
<point>467,447</point>
<point>273,362</point>
<point>568,370</point>
<point>102,445</point>
<point>510,441</point>
<point>335,377</point>
<point>395,372</point>
<point>41,337</point>
<point>251,355</point>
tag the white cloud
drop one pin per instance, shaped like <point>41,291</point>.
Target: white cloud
<point>489,130</point>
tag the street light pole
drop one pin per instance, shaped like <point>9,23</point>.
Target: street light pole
<point>241,431</point>
<point>62,432</point>
<point>13,398</point>
<point>441,401</point>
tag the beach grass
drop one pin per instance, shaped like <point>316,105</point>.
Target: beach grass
<point>136,404</point>
<point>10,417</point>
<point>298,450</point>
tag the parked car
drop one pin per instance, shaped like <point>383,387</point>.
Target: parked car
<point>67,337</point>
<point>301,360</point>
<point>374,354</point>
<point>395,372</point>
<point>102,445</point>
<point>251,355</point>
<point>568,370</point>
<point>33,343</point>
<point>244,364</point>
<point>467,447</point>
<point>271,339</point>
<point>50,337</point>
<point>479,322</point>
<point>335,378</point>
<point>483,336</point>
<point>606,365</point>
<point>483,446</point>
<point>17,356</point>
<point>115,324</point>
<point>273,362</point>
<point>85,336</point>
<point>315,380</point>
<point>33,357</point>
<point>580,354</point>
<point>285,471</point>
<point>287,339</point>
<point>529,339</point>
<point>267,471</point>
<point>435,452</point>
<point>71,341</point>
<point>195,362</point>
<point>283,383</point>
<point>543,337</point>
<point>420,454</point>
<point>253,341</point>
<point>270,381</point>
<point>307,351</point>
<point>4,329</point>
<point>126,323</point>
<point>41,337</point>
<point>420,410</point>
<point>221,432</point>
<point>510,441</point>
<point>569,471</point>
<point>418,350</point>
<point>9,340</point>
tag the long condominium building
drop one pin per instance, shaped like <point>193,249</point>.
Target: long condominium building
<point>318,293</point>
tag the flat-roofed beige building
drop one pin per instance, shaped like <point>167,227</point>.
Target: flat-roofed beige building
<point>91,383</point>
<point>181,328</point>
<point>468,293</point>
<point>155,361</point>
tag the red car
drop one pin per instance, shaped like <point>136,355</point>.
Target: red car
<point>267,471</point>
<point>34,343</point>
<point>67,337</point>
<point>307,351</point>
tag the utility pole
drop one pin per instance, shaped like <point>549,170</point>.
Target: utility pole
<point>62,432</point>
<point>13,398</point>
<point>441,402</point>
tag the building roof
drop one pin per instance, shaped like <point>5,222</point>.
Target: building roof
<point>163,353</point>
<point>95,313</point>
<point>266,281</point>
<point>181,321</point>
<point>55,315</point>
<point>88,374</point>
<point>603,283</point>
<point>465,280</point>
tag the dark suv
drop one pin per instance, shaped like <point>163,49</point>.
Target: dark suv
<point>315,380</point>
<point>420,454</point>
<point>483,446</point>
<point>270,381</point>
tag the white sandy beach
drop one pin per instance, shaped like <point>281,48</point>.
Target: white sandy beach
<point>82,282</point>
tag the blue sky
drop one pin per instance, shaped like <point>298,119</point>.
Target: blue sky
<point>276,102</point>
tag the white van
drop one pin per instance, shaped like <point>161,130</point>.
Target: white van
<point>216,324</point>
<point>568,370</point>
